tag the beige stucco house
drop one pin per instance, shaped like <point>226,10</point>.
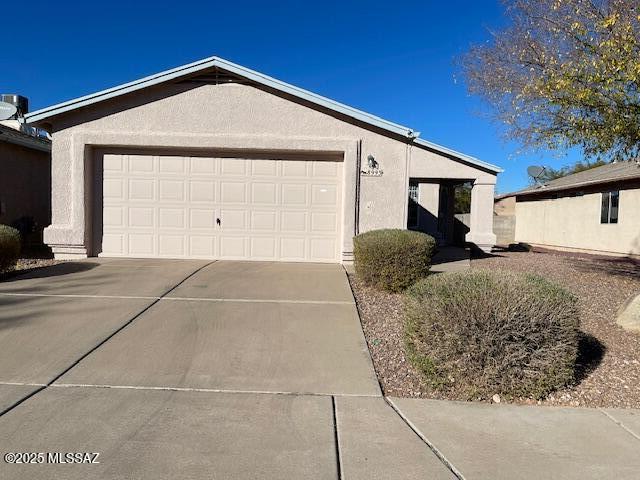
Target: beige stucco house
<point>594,211</point>
<point>213,160</point>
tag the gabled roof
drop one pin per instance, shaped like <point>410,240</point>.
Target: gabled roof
<point>261,79</point>
<point>609,173</point>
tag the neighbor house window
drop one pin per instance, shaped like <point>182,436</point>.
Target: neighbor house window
<point>412,214</point>
<point>609,210</point>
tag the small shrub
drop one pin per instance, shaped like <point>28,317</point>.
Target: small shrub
<point>392,260</point>
<point>479,333</point>
<point>9,247</point>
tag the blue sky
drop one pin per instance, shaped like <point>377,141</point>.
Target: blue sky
<point>395,60</point>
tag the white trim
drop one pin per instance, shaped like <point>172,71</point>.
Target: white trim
<point>211,62</point>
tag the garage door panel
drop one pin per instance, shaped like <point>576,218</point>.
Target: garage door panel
<point>322,248</point>
<point>141,217</point>
<point>264,168</point>
<point>233,219</point>
<point>324,169</point>
<point>141,189</point>
<point>233,166</point>
<point>202,246</point>
<point>263,248</point>
<point>140,164</point>
<point>114,243</point>
<point>294,194</point>
<point>323,222</point>
<point>114,189</point>
<point>263,193</point>
<point>113,163</point>
<point>171,246</point>
<point>233,192</point>
<point>202,191</point>
<point>169,165</point>
<point>113,216</point>
<point>171,190</point>
<point>171,218</point>
<point>142,244</point>
<point>264,221</point>
<point>294,168</point>
<point>233,248</point>
<point>203,166</point>
<point>167,206</point>
<point>292,249</point>
<point>202,219</point>
<point>324,194</point>
<point>294,221</point>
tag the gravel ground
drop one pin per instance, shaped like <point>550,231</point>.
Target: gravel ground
<point>26,265</point>
<point>608,374</point>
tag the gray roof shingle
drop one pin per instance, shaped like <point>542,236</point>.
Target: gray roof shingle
<point>612,172</point>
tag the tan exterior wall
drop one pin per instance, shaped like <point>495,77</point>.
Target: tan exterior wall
<point>234,116</point>
<point>505,206</point>
<point>25,184</point>
<point>574,223</point>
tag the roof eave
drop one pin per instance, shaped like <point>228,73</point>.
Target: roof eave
<point>461,156</point>
<point>544,189</point>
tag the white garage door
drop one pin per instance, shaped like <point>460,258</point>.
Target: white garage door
<point>227,208</point>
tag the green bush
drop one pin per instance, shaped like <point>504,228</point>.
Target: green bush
<point>9,247</point>
<point>479,333</point>
<point>392,260</point>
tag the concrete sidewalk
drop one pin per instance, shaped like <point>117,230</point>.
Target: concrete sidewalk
<point>482,441</point>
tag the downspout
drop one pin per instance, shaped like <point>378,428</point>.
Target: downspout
<point>411,135</point>
<point>356,227</point>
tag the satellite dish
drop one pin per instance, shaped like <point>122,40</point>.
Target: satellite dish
<point>7,110</point>
<point>535,172</point>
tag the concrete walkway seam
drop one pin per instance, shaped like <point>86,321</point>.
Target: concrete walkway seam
<point>71,295</point>
<point>180,299</point>
<point>336,437</point>
<point>102,342</point>
<point>619,423</point>
<point>206,390</point>
<point>430,444</point>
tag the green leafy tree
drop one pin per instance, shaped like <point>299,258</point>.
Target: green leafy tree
<point>462,199</point>
<point>564,73</point>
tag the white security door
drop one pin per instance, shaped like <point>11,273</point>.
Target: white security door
<point>227,208</point>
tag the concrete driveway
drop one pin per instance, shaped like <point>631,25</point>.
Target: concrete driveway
<point>237,370</point>
<point>186,369</point>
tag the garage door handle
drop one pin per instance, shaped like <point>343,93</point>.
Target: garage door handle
<point>218,222</point>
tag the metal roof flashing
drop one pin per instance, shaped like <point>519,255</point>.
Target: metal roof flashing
<point>175,73</point>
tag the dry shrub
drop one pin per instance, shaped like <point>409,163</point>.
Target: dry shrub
<point>480,333</point>
<point>9,247</point>
<point>392,259</point>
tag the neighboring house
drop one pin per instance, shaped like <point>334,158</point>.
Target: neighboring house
<point>213,160</point>
<point>25,181</point>
<point>593,211</point>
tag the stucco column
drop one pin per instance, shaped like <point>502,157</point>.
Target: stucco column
<point>481,222</point>
<point>67,233</point>
<point>429,202</point>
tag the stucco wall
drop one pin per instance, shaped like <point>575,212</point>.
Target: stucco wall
<point>236,116</point>
<point>574,223</point>
<point>505,206</point>
<point>25,184</point>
